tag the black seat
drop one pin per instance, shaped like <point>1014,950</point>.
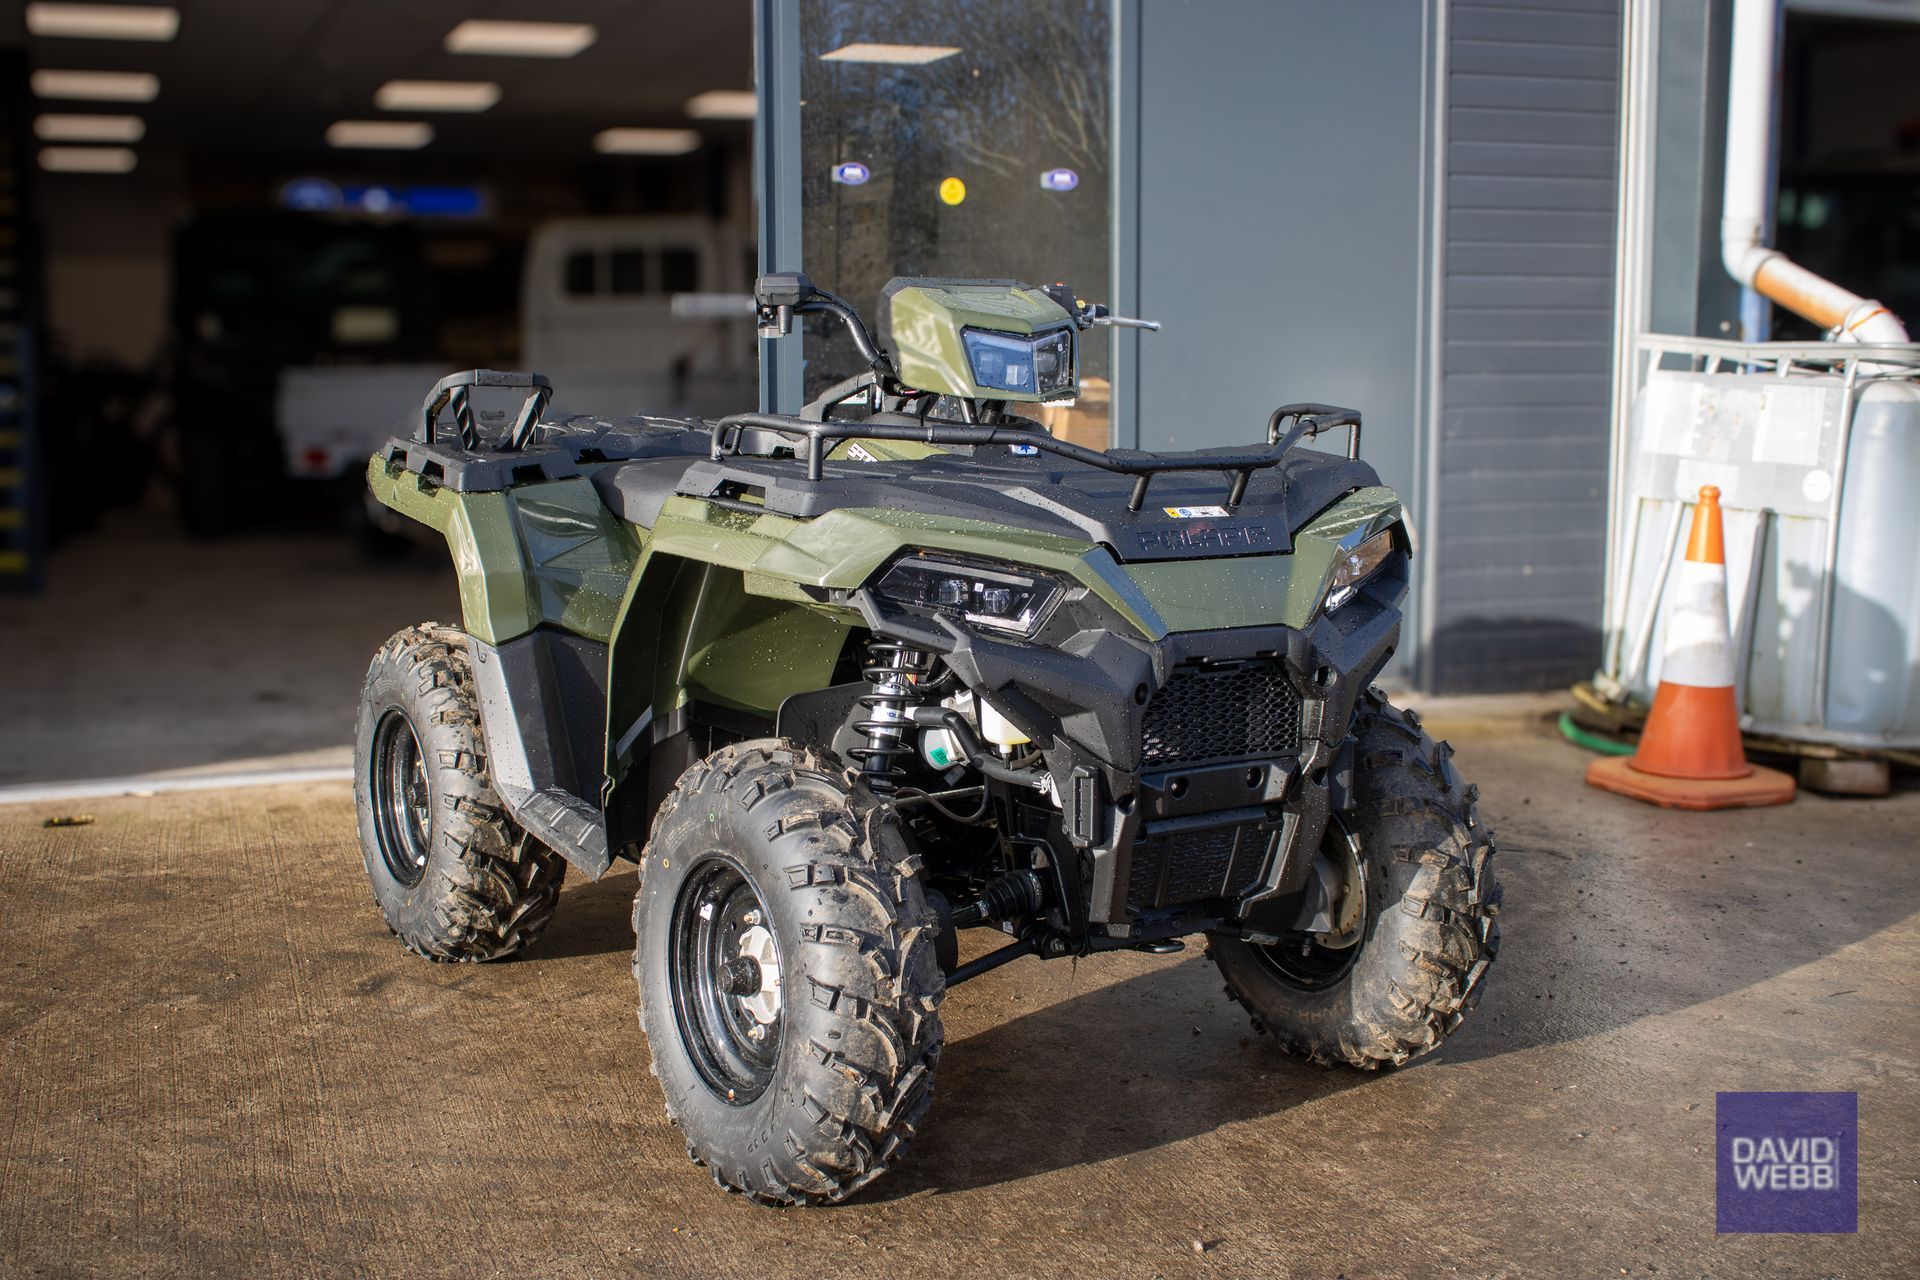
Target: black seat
<point>635,491</point>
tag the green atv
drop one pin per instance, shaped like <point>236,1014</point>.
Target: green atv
<point>848,684</point>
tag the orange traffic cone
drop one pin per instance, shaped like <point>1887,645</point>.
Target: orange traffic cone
<point>1690,755</point>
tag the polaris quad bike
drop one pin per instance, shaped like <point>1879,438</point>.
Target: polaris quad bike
<point>849,684</point>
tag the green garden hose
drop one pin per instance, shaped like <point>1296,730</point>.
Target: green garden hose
<point>1592,741</point>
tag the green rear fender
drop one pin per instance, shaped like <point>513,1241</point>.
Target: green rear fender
<point>548,553</point>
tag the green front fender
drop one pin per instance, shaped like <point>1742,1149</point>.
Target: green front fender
<point>731,608</point>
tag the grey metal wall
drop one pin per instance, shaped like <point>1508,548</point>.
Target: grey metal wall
<point>1271,218</point>
<point>1525,343</point>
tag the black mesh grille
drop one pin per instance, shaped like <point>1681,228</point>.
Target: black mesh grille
<point>1222,713</point>
<point>1190,865</point>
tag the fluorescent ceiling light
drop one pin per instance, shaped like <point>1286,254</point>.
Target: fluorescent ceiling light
<point>645,142</point>
<point>723,104</point>
<point>521,39</point>
<point>899,54</point>
<point>64,128</point>
<point>87,159</point>
<point>380,135</point>
<point>436,95</point>
<point>103,21</point>
<point>98,86</point>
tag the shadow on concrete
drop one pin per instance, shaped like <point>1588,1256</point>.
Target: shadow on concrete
<point>595,917</point>
<point>1127,1068</point>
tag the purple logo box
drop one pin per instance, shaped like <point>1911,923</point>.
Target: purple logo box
<point>1787,1162</point>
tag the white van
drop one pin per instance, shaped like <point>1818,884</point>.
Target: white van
<point>597,294</point>
<point>596,317</point>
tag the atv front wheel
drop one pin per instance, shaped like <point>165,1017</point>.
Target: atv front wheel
<point>788,984</point>
<point>455,877</point>
<point>1403,964</point>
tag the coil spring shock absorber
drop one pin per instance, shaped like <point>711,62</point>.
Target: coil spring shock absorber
<point>897,673</point>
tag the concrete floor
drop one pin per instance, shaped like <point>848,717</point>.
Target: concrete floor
<point>150,653</point>
<point>215,1061</point>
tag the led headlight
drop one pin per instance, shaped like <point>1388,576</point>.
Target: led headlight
<point>1036,365</point>
<point>996,598</point>
<point>1353,565</point>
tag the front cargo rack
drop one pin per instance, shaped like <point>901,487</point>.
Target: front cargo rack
<point>1309,420</point>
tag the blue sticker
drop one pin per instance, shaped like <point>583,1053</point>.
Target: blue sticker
<point>1024,450</point>
<point>851,173</point>
<point>1059,180</point>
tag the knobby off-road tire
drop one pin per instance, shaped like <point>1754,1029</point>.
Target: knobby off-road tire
<point>812,1106</point>
<point>455,877</point>
<point>1430,932</point>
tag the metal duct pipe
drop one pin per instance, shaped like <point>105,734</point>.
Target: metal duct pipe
<point>1756,24</point>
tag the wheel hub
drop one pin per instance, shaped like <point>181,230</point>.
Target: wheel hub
<point>756,947</point>
<point>1346,884</point>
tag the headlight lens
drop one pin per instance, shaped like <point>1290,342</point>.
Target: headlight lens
<point>996,598</point>
<point>1354,565</point>
<point>1040,365</point>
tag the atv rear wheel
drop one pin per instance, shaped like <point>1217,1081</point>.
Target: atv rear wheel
<point>789,989</point>
<point>1420,939</point>
<point>455,877</point>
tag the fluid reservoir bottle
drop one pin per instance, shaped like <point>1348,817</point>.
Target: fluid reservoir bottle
<point>999,730</point>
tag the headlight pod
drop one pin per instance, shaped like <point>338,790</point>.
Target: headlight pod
<point>1040,364</point>
<point>1354,565</point>
<point>997,598</point>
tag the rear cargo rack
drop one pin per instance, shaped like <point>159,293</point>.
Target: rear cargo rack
<point>1309,420</point>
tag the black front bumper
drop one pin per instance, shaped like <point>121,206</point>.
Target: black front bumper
<point>1144,842</point>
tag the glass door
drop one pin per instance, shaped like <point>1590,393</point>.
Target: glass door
<point>966,138</point>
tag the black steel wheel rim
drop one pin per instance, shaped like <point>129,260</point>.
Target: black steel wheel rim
<point>1301,962</point>
<point>713,924</point>
<point>402,803</point>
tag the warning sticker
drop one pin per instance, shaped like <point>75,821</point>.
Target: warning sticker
<point>1196,513</point>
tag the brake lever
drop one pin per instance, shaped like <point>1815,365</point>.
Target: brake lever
<point>1126,322</point>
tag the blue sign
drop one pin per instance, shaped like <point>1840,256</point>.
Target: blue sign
<point>1059,180</point>
<point>851,173</point>
<point>444,202</point>
<point>317,195</point>
<point>310,195</point>
<point>415,201</point>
